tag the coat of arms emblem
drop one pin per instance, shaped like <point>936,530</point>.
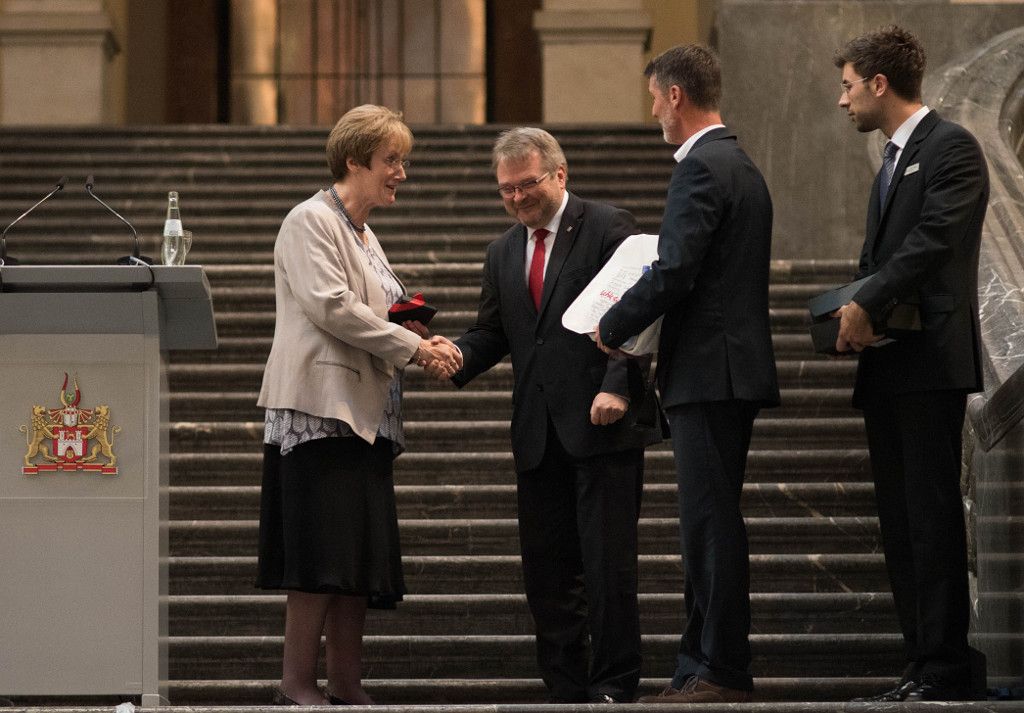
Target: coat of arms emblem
<point>61,437</point>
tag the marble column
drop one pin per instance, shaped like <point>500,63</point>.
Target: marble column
<point>54,62</point>
<point>592,55</point>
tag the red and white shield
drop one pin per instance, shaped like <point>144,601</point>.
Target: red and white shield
<point>70,442</point>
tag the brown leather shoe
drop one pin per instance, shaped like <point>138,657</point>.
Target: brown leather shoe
<point>669,691</point>
<point>697,690</point>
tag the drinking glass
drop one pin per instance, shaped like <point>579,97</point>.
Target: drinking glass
<point>176,247</point>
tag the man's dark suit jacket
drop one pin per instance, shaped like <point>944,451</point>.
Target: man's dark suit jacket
<point>556,373</point>
<point>710,281</point>
<point>922,247</point>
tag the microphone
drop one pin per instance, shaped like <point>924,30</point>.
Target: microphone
<point>134,258</point>
<point>3,236</point>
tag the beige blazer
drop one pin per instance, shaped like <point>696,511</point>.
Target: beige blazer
<point>334,352</point>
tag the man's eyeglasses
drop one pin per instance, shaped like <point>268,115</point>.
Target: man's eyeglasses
<point>394,162</point>
<point>847,86</point>
<point>508,191</point>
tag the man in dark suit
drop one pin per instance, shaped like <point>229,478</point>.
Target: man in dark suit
<point>716,367</point>
<point>925,216</point>
<point>578,454</point>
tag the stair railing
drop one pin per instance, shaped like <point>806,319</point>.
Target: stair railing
<point>984,92</point>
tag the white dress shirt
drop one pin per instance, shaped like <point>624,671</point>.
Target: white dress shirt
<point>681,152</point>
<point>901,136</point>
<point>549,241</point>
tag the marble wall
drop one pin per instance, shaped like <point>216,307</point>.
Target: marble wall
<point>780,94</point>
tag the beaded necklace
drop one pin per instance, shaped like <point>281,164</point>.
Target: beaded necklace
<point>344,213</point>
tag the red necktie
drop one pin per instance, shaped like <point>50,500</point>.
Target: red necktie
<point>537,266</point>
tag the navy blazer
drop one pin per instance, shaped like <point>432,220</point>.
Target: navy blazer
<point>922,247</point>
<point>710,281</point>
<point>556,373</point>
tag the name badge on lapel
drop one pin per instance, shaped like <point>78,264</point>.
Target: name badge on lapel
<point>913,168</point>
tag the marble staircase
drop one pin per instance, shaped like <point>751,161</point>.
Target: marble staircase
<point>823,628</point>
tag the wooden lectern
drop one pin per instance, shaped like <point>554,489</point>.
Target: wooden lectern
<point>84,473</point>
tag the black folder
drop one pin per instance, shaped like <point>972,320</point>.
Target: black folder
<point>902,320</point>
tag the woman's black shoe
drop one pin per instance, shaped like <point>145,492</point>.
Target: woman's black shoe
<point>280,699</point>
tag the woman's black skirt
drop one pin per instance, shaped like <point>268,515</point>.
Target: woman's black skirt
<point>328,523</point>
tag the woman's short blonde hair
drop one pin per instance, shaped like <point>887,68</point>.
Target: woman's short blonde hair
<point>360,132</point>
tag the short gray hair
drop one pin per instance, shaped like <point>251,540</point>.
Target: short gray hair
<point>517,144</point>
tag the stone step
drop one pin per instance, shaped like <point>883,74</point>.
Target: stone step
<point>501,574</point>
<point>430,162</point>
<point>254,349</point>
<point>232,305</point>
<point>411,222</point>
<point>518,695</point>
<point>466,297</point>
<point>476,695</point>
<point>196,177</point>
<point>793,374</point>
<point>234,348</point>
<point>211,192</point>
<point>78,250</point>
<point>781,433</point>
<point>508,614</point>
<point>842,466</point>
<point>809,275</point>
<point>459,201</point>
<point>468,404</point>
<point>499,501</point>
<point>515,656</point>
<point>493,536</point>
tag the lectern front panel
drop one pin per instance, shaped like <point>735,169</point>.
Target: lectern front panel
<point>81,501</point>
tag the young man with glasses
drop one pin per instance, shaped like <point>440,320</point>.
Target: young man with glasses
<point>925,215</point>
<point>578,455</point>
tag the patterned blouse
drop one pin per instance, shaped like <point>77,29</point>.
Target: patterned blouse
<point>287,428</point>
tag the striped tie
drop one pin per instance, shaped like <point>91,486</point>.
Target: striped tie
<point>888,168</point>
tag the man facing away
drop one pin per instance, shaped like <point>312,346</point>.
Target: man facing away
<point>716,367</point>
<point>925,215</point>
<point>578,454</point>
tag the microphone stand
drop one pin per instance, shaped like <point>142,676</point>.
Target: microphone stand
<point>135,258</point>
<point>3,236</point>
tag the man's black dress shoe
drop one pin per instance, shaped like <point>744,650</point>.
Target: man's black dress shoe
<point>900,693</point>
<point>603,698</point>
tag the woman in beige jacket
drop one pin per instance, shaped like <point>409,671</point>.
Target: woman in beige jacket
<point>332,391</point>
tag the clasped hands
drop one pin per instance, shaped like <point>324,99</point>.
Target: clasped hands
<point>855,329</point>
<point>436,354</point>
<point>439,357</point>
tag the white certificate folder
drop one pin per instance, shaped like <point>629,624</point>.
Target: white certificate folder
<point>631,259</point>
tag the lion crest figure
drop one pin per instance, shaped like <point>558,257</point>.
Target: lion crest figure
<point>98,431</point>
<point>41,430</point>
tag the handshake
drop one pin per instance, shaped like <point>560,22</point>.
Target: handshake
<point>438,357</point>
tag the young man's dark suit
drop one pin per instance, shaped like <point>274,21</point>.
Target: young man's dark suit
<point>716,369</point>
<point>922,247</point>
<point>578,484</point>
